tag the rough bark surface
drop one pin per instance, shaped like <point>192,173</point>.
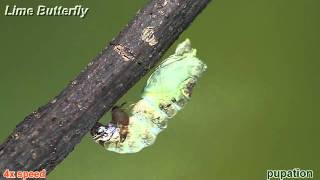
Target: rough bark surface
<point>45,137</point>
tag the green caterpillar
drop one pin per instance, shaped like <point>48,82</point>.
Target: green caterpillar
<point>167,91</point>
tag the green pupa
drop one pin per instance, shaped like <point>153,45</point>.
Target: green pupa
<point>167,91</point>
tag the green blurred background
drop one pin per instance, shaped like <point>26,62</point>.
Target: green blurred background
<point>256,107</point>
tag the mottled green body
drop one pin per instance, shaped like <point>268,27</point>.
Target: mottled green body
<point>172,78</point>
<point>167,91</point>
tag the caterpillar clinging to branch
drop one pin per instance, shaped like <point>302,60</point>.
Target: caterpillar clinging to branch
<point>167,91</point>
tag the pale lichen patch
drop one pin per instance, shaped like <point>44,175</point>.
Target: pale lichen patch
<point>34,155</point>
<point>53,101</point>
<point>74,82</point>
<point>121,50</point>
<point>148,36</point>
<point>165,2</point>
<point>161,12</point>
<point>36,114</point>
<point>16,136</point>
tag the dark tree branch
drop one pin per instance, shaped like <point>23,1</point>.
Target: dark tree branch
<point>45,137</point>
